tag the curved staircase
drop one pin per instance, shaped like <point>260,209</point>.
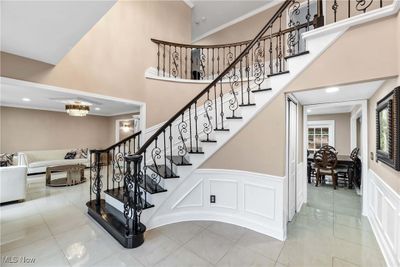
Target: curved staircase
<point>131,182</point>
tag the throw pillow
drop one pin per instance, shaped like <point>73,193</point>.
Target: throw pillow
<point>6,159</point>
<point>78,153</point>
<point>70,155</point>
<point>84,153</point>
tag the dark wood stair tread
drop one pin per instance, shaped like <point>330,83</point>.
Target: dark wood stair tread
<point>195,150</point>
<point>105,217</point>
<point>261,90</point>
<point>179,160</point>
<point>163,170</point>
<point>278,73</point>
<point>298,54</point>
<point>150,186</point>
<point>118,194</point>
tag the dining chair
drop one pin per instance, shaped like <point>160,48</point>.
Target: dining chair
<point>354,171</point>
<point>325,162</point>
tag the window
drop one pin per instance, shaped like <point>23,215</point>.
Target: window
<point>320,133</point>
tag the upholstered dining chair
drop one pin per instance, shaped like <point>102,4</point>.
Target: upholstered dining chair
<point>354,171</point>
<point>325,161</point>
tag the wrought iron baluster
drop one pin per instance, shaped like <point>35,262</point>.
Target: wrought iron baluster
<point>158,59</point>
<point>308,17</point>
<point>180,62</point>
<point>165,155</point>
<point>170,146</point>
<point>334,8</point>
<point>348,8</point>
<point>208,64</point>
<point>91,175</point>
<point>221,95</point>
<point>207,126</point>
<point>163,60</point>
<point>241,82</point>
<point>169,61</point>
<point>196,125</point>
<point>108,170</point>
<point>212,60</point>
<point>113,168</point>
<point>190,129</point>
<point>248,78</point>
<point>233,102</point>
<point>218,60</point>
<point>271,69</point>
<point>182,128</point>
<point>186,67</point>
<point>145,177</point>
<point>280,43</point>
<point>215,106</point>
<point>363,5</point>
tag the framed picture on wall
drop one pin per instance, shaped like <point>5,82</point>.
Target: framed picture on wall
<point>388,129</point>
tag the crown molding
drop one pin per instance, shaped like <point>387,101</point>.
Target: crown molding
<point>238,19</point>
<point>189,3</point>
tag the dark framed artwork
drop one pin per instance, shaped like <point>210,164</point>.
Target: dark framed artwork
<point>388,129</point>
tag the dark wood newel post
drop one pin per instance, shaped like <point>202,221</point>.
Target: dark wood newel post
<point>319,17</point>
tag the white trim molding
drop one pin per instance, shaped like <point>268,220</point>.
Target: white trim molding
<point>248,199</point>
<point>323,124</point>
<point>238,19</point>
<point>384,216</point>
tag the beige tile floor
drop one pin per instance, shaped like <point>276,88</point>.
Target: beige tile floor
<point>53,228</point>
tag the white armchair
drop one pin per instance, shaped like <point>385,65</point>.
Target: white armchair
<point>12,183</point>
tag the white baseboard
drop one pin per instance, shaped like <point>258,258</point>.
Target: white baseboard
<point>384,216</point>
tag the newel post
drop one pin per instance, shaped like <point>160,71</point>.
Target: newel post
<point>133,205</point>
<point>319,17</point>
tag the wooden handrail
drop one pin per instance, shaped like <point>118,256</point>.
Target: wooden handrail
<point>116,144</point>
<point>291,29</point>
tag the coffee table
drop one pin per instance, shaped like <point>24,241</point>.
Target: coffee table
<point>75,175</point>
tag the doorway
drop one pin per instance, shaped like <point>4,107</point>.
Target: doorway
<point>292,129</point>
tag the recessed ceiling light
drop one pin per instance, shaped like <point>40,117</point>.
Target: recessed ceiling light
<point>97,109</point>
<point>26,99</point>
<point>308,110</point>
<point>332,89</point>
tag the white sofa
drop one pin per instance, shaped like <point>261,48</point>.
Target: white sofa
<point>12,183</point>
<point>37,161</point>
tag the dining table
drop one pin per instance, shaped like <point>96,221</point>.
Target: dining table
<point>342,160</point>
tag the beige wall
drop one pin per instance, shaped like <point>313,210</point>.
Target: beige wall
<point>258,147</point>
<point>342,130</point>
<point>389,175</point>
<point>343,62</point>
<point>28,129</point>
<point>112,57</point>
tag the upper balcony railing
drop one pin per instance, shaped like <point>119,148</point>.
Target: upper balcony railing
<point>206,62</point>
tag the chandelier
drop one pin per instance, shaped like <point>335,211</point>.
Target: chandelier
<point>77,110</point>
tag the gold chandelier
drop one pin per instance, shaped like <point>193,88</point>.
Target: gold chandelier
<point>77,110</point>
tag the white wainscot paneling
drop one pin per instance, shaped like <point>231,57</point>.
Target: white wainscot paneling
<point>247,199</point>
<point>384,216</point>
<point>301,184</point>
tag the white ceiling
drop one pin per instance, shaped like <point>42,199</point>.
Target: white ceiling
<point>331,110</point>
<point>359,91</point>
<point>211,16</point>
<point>51,98</point>
<point>47,30</point>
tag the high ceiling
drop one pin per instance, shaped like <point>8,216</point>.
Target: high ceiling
<point>47,30</point>
<point>211,16</point>
<point>21,94</point>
